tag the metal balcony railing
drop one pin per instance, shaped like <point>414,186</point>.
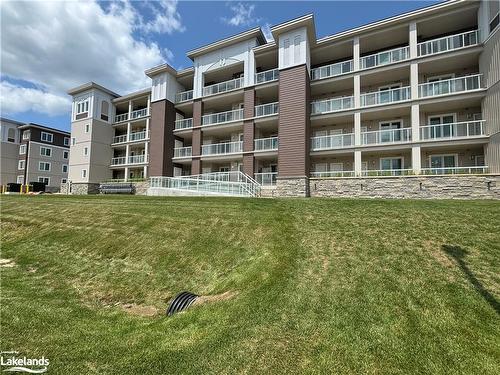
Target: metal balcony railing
<point>267,76</point>
<point>218,88</point>
<point>120,138</point>
<point>183,124</point>
<point>119,160</point>
<point>266,144</point>
<point>326,174</point>
<point>222,148</point>
<point>385,96</point>
<point>138,136</point>
<point>136,159</point>
<point>448,43</point>
<point>332,70</point>
<point>183,96</point>
<point>139,113</point>
<point>183,152</point>
<point>385,57</point>
<point>453,130</point>
<point>330,142</point>
<point>450,86</point>
<point>332,105</point>
<point>266,109</point>
<point>386,136</point>
<point>386,172</point>
<point>455,170</point>
<point>266,178</point>
<point>121,117</point>
<point>222,117</point>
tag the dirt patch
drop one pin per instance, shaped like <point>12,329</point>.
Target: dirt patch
<point>215,297</point>
<point>140,310</point>
<point>7,263</point>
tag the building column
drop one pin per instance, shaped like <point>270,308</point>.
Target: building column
<point>197,141</point>
<point>416,157</point>
<point>413,40</point>
<point>145,171</point>
<point>357,128</point>
<point>415,136</point>
<point>130,108</point>
<point>414,80</point>
<point>129,130</point>
<point>162,141</point>
<point>146,151</point>
<point>126,173</point>
<point>149,104</point>
<point>249,132</point>
<point>356,53</point>
<point>357,163</point>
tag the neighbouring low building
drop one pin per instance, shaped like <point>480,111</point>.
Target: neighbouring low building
<point>412,95</point>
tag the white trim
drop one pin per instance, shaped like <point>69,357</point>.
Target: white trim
<point>22,149</point>
<point>84,173</point>
<point>454,114</point>
<point>46,148</point>
<point>20,179</point>
<point>48,180</point>
<point>64,180</point>
<point>44,162</point>
<point>67,141</point>
<point>49,135</point>
<point>62,169</point>
<point>21,165</point>
<point>26,134</point>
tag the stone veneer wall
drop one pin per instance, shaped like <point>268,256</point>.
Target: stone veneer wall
<point>292,187</point>
<point>82,188</point>
<point>415,187</point>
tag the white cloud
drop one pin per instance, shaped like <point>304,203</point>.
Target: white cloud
<point>167,18</point>
<point>59,45</point>
<point>243,15</point>
<point>266,29</point>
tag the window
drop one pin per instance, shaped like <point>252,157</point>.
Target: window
<point>20,165</point>
<point>45,151</point>
<point>82,107</point>
<point>443,161</point>
<point>87,128</point>
<point>85,151</point>
<point>286,52</point>
<point>104,110</point>
<point>494,15</point>
<point>44,166</point>
<point>65,154</point>
<point>47,137</point>
<point>73,141</point>
<point>63,180</point>
<point>388,135</point>
<point>65,168</point>
<point>11,135</point>
<point>20,179</point>
<point>44,180</point>
<point>391,163</point>
<point>296,49</point>
<point>66,141</point>
<point>22,149</point>
<point>84,173</point>
<point>441,129</point>
<point>26,134</point>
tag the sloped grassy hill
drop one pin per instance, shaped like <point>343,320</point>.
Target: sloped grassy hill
<point>312,286</point>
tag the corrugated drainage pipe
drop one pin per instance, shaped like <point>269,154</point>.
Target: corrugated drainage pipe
<point>181,302</point>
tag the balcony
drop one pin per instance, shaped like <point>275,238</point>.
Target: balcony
<point>122,160</point>
<point>121,117</point>
<point>139,113</point>
<point>331,142</point>
<point>399,94</point>
<point>226,86</point>
<point>137,136</point>
<point>448,43</point>
<point>332,105</point>
<point>183,124</point>
<point>450,86</point>
<point>266,109</point>
<point>454,170</point>
<point>183,152</point>
<point>267,76</point>
<point>327,174</point>
<point>388,136</point>
<point>222,117</point>
<point>266,144</point>
<point>385,57</point>
<point>266,179</point>
<point>184,96</point>
<point>332,70</point>
<point>386,172</point>
<point>120,138</point>
<point>453,131</point>
<point>222,148</point>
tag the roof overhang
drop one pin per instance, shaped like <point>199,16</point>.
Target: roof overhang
<point>306,21</point>
<point>90,86</point>
<point>163,68</point>
<point>133,95</point>
<point>43,127</point>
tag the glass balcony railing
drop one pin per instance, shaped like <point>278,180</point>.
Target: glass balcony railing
<point>448,43</point>
<point>332,105</point>
<point>266,109</point>
<point>386,136</point>
<point>222,117</point>
<point>223,87</point>
<point>330,142</point>
<point>332,70</point>
<point>385,96</point>
<point>267,76</point>
<point>183,124</point>
<point>385,57</point>
<point>184,96</point>
<point>266,144</point>
<point>453,130</point>
<point>222,148</point>
<point>266,178</point>
<point>450,86</point>
<point>183,152</point>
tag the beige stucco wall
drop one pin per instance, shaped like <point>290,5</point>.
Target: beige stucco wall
<point>56,161</point>
<point>9,156</point>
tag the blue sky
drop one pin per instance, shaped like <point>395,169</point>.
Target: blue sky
<point>117,41</point>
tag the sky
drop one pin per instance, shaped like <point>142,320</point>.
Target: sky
<point>48,47</point>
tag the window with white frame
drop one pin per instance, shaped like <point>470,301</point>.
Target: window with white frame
<point>44,180</point>
<point>84,173</point>
<point>22,149</point>
<point>104,110</point>
<point>85,151</point>
<point>443,161</point>
<point>494,15</point>
<point>73,141</point>
<point>87,128</point>
<point>11,135</point>
<point>47,137</point>
<point>46,151</point>
<point>82,106</point>
<point>65,154</point>
<point>26,134</point>
<point>44,166</point>
<point>66,141</point>
<point>20,164</point>
<point>296,49</point>
<point>65,168</point>
<point>63,180</point>
<point>20,179</point>
<point>286,52</point>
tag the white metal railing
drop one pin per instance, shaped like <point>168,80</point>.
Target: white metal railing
<point>332,70</point>
<point>266,144</point>
<point>385,57</point>
<point>120,138</point>
<point>119,160</point>
<point>453,130</point>
<point>139,113</point>
<point>222,148</point>
<point>386,172</point>
<point>121,117</point>
<point>450,86</point>
<point>183,96</point>
<point>266,178</point>
<point>267,76</point>
<point>221,117</point>
<point>332,105</point>
<point>385,96</point>
<point>138,136</point>
<point>185,123</point>
<point>448,43</point>
<point>266,109</point>
<point>217,183</point>
<point>225,86</point>
<point>386,136</point>
<point>183,152</point>
<point>326,174</point>
<point>328,142</point>
<point>455,170</point>
<point>136,159</point>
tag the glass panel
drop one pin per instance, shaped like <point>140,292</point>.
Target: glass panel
<point>449,161</point>
<point>436,162</point>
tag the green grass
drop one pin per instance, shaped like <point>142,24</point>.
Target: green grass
<point>323,286</point>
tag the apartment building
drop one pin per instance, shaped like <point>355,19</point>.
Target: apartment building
<point>412,95</point>
<point>34,153</point>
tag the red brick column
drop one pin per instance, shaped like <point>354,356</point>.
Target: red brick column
<point>197,136</point>
<point>249,132</point>
<point>162,140</point>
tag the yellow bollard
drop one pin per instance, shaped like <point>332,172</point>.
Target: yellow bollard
<point>21,189</point>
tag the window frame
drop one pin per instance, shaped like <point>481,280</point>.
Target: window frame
<point>48,180</point>
<point>65,154</point>
<point>62,168</point>
<point>22,149</point>
<point>48,135</point>
<point>66,141</point>
<point>21,165</point>
<point>44,169</point>
<point>46,149</point>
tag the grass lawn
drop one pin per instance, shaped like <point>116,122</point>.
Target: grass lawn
<point>314,286</point>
